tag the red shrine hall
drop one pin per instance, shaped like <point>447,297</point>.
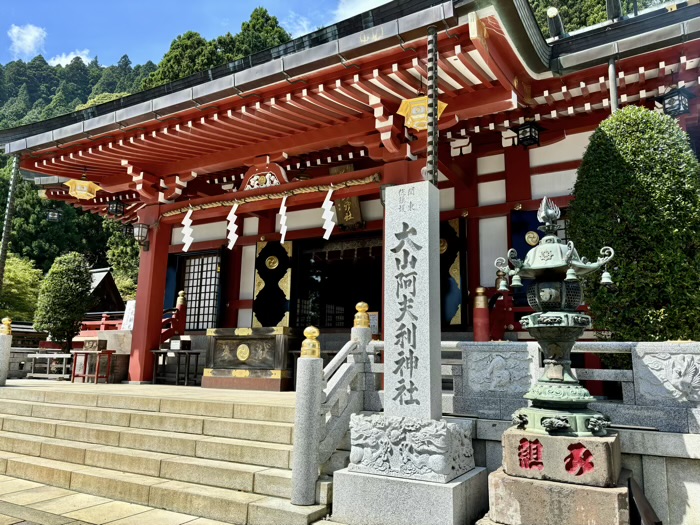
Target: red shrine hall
<point>256,187</point>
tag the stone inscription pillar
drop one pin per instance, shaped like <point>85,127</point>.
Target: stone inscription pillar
<point>412,302</point>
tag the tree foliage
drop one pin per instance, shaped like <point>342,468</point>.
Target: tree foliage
<point>191,52</point>
<point>64,298</point>
<point>34,237</point>
<point>123,256</point>
<point>577,14</point>
<point>34,90</point>
<point>638,191</point>
<point>20,289</point>
<point>102,98</point>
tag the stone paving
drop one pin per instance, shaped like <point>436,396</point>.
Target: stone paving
<point>28,503</point>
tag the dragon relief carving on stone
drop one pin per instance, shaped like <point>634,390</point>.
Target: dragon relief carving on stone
<point>508,372</point>
<point>675,375</point>
<point>406,447</point>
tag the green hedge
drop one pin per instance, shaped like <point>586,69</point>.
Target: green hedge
<point>64,298</point>
<point>638,192</point>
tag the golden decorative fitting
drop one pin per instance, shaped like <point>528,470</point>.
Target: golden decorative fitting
<point>262,238</point>
<point>311,347</point>
<point>443,246</point>
<point>465,214</point>
<point>243,352</point>
<point>6,328</point>
<point>181,298</point>
<point>518,207</point>
<point>361,317</point>
<point>500,275</point>
<point>272,262</point>
<point>532,238</point>
<point>481,301</point>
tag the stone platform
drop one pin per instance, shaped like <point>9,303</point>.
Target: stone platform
<point>367,499</point>
<point>594,461</point>
<point>521,501</point>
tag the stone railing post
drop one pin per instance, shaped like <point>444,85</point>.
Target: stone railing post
<point>5,349</point>
<point>361,333</point>
<point>308,420</point>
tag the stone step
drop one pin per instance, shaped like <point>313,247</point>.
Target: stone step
<point>219,448</point>
<point>231,506</point>
<point>223,474</point>
<point>268,431</point>
<point>166,405</point>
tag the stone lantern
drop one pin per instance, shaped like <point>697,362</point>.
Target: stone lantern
<point>559,401</point>
<point>558,445</point>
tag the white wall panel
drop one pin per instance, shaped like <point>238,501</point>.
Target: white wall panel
<point>491,164</point>
<point>247,272</point>
<point>245,318</point>
<point>302,220</point>
<point>212,231</point>
<point>250,226</point>
<point>571,148</point>
<point>372,210</point>
<point>493,243</point>
<point>553,184</point>
<point>447,199</point>
<point>492,192</point>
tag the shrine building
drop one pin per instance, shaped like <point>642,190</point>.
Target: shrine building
<point>256,187</point>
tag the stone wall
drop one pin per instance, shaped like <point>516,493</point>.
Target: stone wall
<point>662,391</point>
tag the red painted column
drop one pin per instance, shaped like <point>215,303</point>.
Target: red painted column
<point>149,296</point>
<point>517,163</point>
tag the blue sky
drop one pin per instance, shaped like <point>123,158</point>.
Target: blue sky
<point>60,30</point>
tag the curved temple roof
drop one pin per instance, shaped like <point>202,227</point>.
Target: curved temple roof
<point>331,96</point>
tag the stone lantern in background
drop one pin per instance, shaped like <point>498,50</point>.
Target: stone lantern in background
<point>560,462</point>
<point>559,401</point>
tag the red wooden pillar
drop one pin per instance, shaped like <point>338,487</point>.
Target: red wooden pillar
<point>149,296</point>
<point>517,163</point>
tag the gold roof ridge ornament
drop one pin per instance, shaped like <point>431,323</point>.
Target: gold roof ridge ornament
<point>415,112</point>
<point>82,189</point>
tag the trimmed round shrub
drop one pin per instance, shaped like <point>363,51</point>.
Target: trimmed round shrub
<point>638,192</point>
<point>64,298</point>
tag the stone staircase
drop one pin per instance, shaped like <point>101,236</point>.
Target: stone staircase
<point>219,460</point>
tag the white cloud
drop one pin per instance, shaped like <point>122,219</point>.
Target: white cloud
<point>348,8</point>
<point>27,40</point>
<point>297,24</point>
<point>66,58</point>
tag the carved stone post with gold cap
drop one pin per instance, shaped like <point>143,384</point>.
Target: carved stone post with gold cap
<point>307,423</point>
<point>5,349</point>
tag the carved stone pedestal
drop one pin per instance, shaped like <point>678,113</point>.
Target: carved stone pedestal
<point>591,461</point>
<point>521,501</point>
<point>407,447</point>
<point>558,479</point>
<point>406,471</point>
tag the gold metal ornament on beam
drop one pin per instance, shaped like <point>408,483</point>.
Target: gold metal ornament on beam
<point>415,112</point>
<point>82,189</point>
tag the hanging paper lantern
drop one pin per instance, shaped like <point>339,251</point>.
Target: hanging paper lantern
<point>82,189</point>
<point>415,112</point>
